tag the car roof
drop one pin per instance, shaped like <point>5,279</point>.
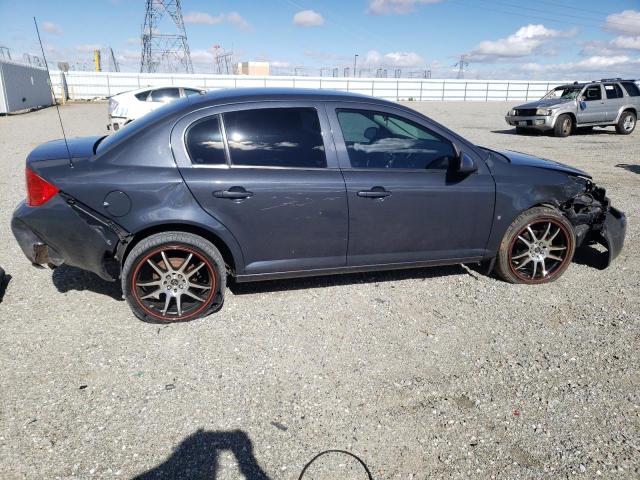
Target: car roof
<point>240,95</point>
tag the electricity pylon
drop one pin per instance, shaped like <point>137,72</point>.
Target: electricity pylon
<point>164,52</point>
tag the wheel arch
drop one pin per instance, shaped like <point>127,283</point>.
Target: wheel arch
<point>232,259</point>
<point>627,108</point>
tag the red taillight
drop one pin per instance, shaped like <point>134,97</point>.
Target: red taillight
<point>39,191</point>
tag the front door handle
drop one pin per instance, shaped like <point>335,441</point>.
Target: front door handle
<point>375,192</point>
<point>234,193</point>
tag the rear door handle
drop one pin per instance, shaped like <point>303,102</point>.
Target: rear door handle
<point>375,192</point>
<point>234,193</point>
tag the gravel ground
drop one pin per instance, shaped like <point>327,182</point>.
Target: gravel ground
<point>435,373</point>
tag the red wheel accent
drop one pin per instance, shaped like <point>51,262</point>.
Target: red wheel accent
<point>173,282</point>
<point>540,250</point>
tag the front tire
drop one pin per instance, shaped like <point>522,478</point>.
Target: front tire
<point>173,277</point>
<point>536,248</point>
<point>626,124</point>
<point>563,126</point>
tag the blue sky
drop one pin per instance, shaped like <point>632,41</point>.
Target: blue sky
<point>501,38</point>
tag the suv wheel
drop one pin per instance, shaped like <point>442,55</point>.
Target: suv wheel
<point>626,123</point>
<point>537,247</point>
<point>173,276</point>
<point>563,126</point>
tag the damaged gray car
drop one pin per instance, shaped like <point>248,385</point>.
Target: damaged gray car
<point>281,183</point>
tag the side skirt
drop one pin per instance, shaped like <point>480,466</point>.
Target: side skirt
<point>353,269</point>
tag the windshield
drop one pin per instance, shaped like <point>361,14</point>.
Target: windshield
<point>567,93</point>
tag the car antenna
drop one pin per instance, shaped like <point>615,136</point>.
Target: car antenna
<point>53,94</point>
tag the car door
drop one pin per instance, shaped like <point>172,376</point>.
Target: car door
<point>269,173</point>
<point>615,100</point>
<point>592,107</point>
<point>405,202</point>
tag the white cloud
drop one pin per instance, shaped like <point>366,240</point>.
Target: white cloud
<point>88,47</point>
<point>382,7</point>
<point>202,18</point>
<point>373,59</point>
<point>235,19</point>
<point>630,43</point>
<point>308,18</point>
<point>52,28</point>
<point>526,41</point>
<point>627,22</point>
<point>606,66</point>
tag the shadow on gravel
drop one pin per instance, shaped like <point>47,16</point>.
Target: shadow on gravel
<point>343,279</point>
<point>594,256</point>
<point>4,282</point>
<point>535,133</point>
<point>67,278</point>
<point>196,458</point>
<point>630,168</point>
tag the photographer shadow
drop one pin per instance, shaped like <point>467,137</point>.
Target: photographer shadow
<point>196,458</point>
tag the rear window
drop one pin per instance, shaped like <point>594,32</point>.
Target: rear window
<point>275,137</point>
<point>632,89</point>
<point>613,90</point>
<point>204,142</point>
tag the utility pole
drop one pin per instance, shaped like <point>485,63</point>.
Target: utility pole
<point>166,52</point>
<point>355,65</point>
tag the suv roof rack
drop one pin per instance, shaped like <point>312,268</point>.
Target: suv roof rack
<point>617,79</point>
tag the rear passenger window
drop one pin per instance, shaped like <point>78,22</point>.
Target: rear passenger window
<point>204,142</point>
<point>275,137</point>
<point>165,94</point>
<point>381,140</point>
<point>613,91</point>
<point>632,89</point>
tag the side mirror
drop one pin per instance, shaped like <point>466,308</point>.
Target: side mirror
<point>464,164</point>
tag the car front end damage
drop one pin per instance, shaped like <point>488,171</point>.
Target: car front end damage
<point>64,231</point>
<point>595,220</point>
<point>541,119</point>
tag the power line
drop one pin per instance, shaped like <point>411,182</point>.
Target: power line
<point>520,15</point>
<point>580,17</point>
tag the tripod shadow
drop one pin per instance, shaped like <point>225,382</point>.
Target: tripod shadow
<point>196,458</point>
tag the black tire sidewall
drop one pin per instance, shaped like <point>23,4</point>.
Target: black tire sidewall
<point>537,213</point>
<point>620,126</point>
<point>557,129</point>
<point>189,240</point>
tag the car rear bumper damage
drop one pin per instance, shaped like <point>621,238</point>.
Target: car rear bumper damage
<point>65,231</point>
<point>596,221</point>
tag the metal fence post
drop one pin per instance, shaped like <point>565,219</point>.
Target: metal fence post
<point>397,90</point>
<point>526,98</point>
<point>421,83</point>
<point>465,91</point>
<point>507,97</point>
<point>108,86</point>
<point>486,94</point>
<point>443,83</point>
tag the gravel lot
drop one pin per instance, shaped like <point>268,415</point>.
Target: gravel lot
<point>435,373</point>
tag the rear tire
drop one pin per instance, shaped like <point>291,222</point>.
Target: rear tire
<point>627,123</point>
<point>174,277</point>
<point>563,126</point>
<point>536,248</point>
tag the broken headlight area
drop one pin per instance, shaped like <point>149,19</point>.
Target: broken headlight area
<point>595,221</point>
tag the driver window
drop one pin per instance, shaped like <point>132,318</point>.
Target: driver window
<point>381,140</point>
<point>593,92</point>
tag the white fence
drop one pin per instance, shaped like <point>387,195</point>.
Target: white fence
<point>87,85</point>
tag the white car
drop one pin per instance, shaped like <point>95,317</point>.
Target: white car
<point>127,106</point>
